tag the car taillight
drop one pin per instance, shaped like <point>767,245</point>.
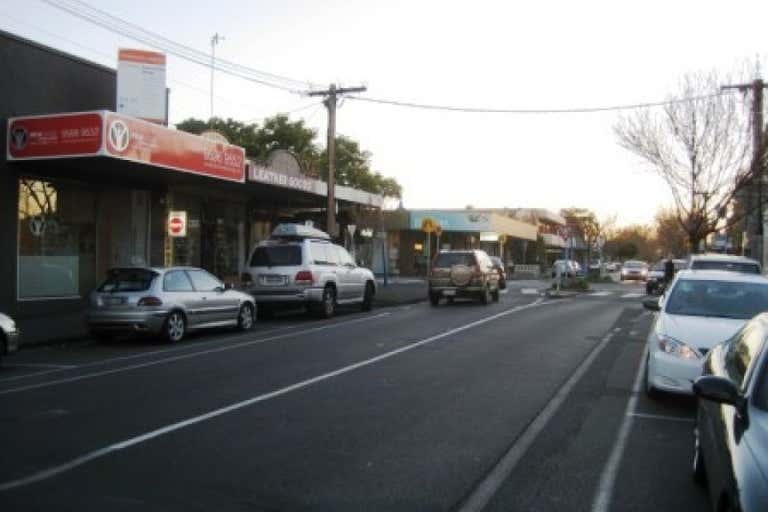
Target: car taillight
<point>304,277</point>
<point>245,277</point>
<point>149,301</point>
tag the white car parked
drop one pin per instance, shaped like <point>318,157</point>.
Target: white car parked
<point>701,309</point>
<point>298,266</point>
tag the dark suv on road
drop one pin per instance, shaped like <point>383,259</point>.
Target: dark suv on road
<point>463,274</point>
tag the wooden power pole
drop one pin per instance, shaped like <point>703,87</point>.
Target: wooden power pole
<point>331,95</point>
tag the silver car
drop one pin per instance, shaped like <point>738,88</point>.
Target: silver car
<point>299,266</point>
<point>9,335</point>
<point>166,301</point>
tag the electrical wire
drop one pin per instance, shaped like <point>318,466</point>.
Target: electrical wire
<point>489,110</point>
<point>100,18</point>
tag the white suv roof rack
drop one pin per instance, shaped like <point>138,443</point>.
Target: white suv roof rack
<point>298,231</point>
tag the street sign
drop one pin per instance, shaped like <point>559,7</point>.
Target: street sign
<point>503,239</point>
<point>439,230</point>
<point>141,85</point>
<point>177,224</point>
<point>429,225</point>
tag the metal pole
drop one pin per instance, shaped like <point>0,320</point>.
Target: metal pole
<point>214,41</point>
<point>330,102</point>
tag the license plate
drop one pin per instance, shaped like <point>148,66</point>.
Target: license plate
<point>272,280</point>
<point>449,293</point>
<point>114,301</point>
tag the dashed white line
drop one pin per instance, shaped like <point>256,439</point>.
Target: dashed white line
<point>529,291</point>
<point>184,356</point>
<point>631,295</point>
<point>604,493</point>
<point>79,461</point>
<point>602,293</point>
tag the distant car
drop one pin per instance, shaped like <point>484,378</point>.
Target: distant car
<point>714,261</point>
<point>468,273</point>
<point>701,309</point>
<point>165,301</point>
<point>9,336</point>
<point>612,266</point>
<point>731,435</point>
<point>655,277</point>
<point>501,269</point>
<point>300,266</point>
<point>634,270</point>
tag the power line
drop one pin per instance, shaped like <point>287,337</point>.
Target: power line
<point>491,110</point>
<point>105,20</point>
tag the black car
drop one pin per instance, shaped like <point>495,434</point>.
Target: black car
<point>731,434</point>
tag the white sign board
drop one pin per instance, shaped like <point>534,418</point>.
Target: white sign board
<point>177,224</point>
<point>141,85</point>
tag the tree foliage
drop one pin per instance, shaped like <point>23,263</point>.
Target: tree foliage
<point>671,238</point>
<point>279,132</point>
<point>635,241</point>
<point>700,146</point>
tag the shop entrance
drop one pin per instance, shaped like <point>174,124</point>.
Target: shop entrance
<point>124,228</point>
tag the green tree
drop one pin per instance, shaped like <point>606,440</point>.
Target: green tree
<point>353,169</point>
<point>240,134</point>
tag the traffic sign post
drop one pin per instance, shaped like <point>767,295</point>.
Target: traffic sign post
<point>429,225</point>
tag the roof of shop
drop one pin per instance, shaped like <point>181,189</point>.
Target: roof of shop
<point>475,221</point>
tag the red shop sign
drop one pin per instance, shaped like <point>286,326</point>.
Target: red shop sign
<point>69,135</point>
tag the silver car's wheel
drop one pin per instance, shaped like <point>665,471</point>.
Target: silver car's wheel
<point>699,472</point>
<point>245,317</point>
<point>329,302</point>
<point>175,327</point>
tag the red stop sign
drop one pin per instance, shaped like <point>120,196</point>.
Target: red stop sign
<point>176,225</point>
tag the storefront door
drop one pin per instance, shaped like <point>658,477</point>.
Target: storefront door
<point>124,228</point>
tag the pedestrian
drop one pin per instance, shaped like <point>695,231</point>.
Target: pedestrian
<point>669,270</point>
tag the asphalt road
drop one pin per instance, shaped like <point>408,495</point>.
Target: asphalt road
<point>520,405</point>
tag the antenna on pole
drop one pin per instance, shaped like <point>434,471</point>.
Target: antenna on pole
<point>215,40</point>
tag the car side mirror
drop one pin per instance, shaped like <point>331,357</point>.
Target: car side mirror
<point>652,304</point>
<point>720,390</point>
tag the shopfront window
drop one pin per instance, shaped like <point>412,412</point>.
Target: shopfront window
<point>57,239</point>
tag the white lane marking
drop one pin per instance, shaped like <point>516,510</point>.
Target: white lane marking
<point>39,365</point>
<point>600,294</point>
<point>504,291</point>
<point>632,295</point>
<point>192,346</point>
<point>529,291</point>
<point>79,461</point>
<point>483,493</point>
<point>617,329</point>
<point>184,356</point>
<point>604,493</point>
<point>661,417</point>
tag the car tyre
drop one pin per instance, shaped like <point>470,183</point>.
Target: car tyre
<point>434,299</point>
<point>175,327</point>
<point>367,304</point>
<point>245,317</point>
<point>495,295</point>
<point>102,336</point>
<point>327,307</point>
<point>699,472</point>
<point>485,296</point>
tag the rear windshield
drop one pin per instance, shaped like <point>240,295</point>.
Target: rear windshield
<point>634,264</point>
<point>276,256</point>
<point>449,259</point>
<point>733,266</point>
<point>128,280</point>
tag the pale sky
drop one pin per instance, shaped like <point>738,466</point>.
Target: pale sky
<point>502,54</point>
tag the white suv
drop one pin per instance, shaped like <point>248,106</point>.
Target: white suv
<point>299,265</point>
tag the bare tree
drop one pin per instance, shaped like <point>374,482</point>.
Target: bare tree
<point>700,145</point>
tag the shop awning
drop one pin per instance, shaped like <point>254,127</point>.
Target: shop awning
<point>104,134</point>
<point>470,221</point>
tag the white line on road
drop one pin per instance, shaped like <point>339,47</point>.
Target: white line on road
<point>79,461</point>
<point>529,291</point>
<point>483,493</point>
<point>661,417</point>
<point>602,293</point>
<point>101,362</point>
<point>185,356</point>
<point>604,493</point>
<point>631,295</point>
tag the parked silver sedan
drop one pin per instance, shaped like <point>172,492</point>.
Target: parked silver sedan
<point>166,301</point>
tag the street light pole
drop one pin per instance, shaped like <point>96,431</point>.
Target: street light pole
<point>214,41</point>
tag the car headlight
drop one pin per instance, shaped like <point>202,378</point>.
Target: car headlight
<point>677,348</point>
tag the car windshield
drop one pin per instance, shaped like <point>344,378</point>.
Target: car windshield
<point>733,266</point>
<point>276,256</point>
<point>449,259</point>
<point>634,264</point>
<point>127,280</point>
<point>725,299</point>
<point>497,261</point>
